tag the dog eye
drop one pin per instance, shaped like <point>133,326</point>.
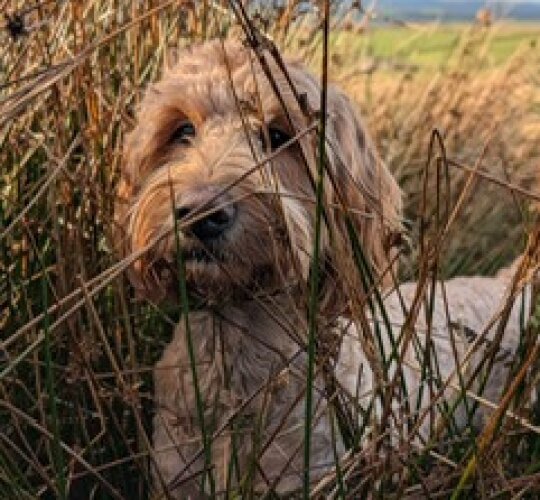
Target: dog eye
<point>183,133</point>
<point>276,136</point>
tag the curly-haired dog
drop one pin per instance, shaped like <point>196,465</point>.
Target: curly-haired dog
<point>226,147</point>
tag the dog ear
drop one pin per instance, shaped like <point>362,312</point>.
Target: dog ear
<point>366,195</point>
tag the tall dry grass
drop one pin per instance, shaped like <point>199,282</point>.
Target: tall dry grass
<point>77,348</point>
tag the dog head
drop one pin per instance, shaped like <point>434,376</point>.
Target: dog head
<point>221,167</point>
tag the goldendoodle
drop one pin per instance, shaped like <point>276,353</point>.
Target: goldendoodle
<point>218,193</point>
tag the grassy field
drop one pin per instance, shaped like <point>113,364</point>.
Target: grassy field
<point>479,88</point>
<point>429,47</point>
<point>77,347</point>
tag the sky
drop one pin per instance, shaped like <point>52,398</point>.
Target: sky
<point>458,9</point>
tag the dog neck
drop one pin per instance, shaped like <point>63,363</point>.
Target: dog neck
<point>263,332</point>
<point>240,354</point>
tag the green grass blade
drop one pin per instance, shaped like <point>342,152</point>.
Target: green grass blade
<point>184,304</point>
<point>314,277</point>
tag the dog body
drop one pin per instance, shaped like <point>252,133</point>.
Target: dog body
<point>221,170</point>
<point>253,360</point>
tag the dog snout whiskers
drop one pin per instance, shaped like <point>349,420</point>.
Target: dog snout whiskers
<point>163,269</point>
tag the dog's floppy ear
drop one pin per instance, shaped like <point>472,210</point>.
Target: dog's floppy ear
<point>363,186</point>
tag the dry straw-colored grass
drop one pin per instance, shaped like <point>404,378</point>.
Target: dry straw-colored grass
<point>77,349</point>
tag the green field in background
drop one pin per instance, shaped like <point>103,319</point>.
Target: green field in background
<point>431,46</point>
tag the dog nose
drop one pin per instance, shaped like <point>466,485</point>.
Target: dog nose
<point>210,226</point>
<point>214,224</point>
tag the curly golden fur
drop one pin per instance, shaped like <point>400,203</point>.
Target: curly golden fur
<point>199,154</point>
